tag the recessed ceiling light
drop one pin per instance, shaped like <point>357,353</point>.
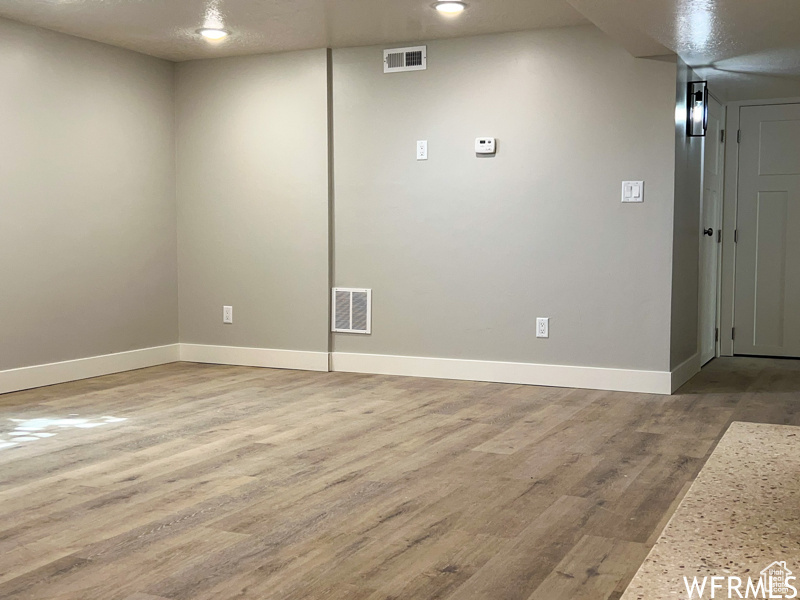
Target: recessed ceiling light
<point>449,7</point>
<point>211,33</point>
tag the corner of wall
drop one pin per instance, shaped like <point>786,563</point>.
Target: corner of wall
<point>685,239</point>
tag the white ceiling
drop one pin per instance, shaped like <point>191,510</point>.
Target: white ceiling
<point>746,48</point>
<point>166,28</point>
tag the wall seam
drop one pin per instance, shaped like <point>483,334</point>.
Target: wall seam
<point>331,198</point>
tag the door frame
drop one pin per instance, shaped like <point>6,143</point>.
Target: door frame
<point>718,225</point>
<point>730,205</point>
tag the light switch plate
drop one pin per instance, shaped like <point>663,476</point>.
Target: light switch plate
<point>422,150</point>
<point>633,191</point>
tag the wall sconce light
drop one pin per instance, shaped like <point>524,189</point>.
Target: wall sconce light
<point>697,109</point>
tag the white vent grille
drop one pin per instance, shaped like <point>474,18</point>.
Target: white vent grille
<point>405,59</point>
<point>352,310</point>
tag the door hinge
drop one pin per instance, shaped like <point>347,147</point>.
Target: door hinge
<point>733,333</point>
<point>738,136</point>
<point>722,136</point>
<point>716,334</point>
<point>735,236</point>
<point>719,236</point>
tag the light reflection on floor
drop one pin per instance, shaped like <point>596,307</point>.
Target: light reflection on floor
<point>31,430</point>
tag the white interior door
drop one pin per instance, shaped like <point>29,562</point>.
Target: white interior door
<point>710,224</point>
<point>767,291</point>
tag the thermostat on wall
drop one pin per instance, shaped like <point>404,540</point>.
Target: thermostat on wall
<point>485,145</point>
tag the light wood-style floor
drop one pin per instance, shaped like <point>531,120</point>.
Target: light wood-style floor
<point>231,482</point>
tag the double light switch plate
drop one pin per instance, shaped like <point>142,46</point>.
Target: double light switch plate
<point>633,191</point>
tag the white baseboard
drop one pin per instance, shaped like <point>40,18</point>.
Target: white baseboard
<point>255,357</point>
<point>685,371</point>
<point>623,380</point>
<point>26,378</point>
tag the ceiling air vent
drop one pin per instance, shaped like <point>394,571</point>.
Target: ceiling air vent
<point>405,59</point>
<point>352,310</point>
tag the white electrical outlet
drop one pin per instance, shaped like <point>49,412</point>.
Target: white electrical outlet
<point>422,150</point>
<point>543,327</point>
<point>227,314</point>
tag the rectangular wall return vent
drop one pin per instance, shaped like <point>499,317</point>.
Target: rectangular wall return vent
<point>405,59</point>
<point>352,310</point>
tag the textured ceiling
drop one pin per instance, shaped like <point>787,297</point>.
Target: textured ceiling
<point>746,48</point>
<point>166,28</point>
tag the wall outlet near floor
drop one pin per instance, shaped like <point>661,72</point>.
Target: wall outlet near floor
<point>543,327</point>
<point>227,314</point>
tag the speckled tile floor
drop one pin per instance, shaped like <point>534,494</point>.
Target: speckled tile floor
<point>741,515</point>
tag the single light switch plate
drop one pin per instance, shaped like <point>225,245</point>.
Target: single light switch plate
<point>543,327</point>
<point>633,191</point>
<point>227,314</point>
<point>422,150</point>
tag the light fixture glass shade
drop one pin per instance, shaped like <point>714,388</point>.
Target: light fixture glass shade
<point>211,33</point>
<point>697,108</point>
<point>450,8</point>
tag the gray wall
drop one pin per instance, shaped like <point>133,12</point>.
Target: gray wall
<point>686,229</point>
<point>253,200</point>
<point>463,253</point>
<point>87,210</point>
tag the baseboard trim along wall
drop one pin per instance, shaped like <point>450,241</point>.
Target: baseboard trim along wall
<point>623,380</point>
<point>26,378</point>
<point>255,357</point>
<point>685,371</point>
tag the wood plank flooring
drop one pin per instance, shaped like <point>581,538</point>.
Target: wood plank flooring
<point>231,482</point>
